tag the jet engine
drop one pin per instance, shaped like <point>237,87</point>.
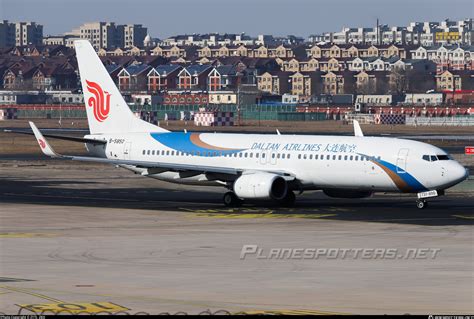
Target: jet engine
<point>261,186</point>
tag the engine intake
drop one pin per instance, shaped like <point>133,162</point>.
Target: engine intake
<point>261,186</point>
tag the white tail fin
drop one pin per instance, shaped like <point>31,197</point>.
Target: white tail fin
<point>107,111</point>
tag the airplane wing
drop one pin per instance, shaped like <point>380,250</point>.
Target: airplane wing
<point>235,172</point>
<point>61,137</point>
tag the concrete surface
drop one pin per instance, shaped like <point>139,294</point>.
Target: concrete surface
<point>77,233</point>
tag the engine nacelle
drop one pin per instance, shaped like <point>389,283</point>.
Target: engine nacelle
<point>261,186</point>
<point>345,193</point>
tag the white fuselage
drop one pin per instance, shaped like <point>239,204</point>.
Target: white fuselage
<point>317,162</point>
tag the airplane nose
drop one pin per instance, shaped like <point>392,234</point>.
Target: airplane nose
<point>460,173</point>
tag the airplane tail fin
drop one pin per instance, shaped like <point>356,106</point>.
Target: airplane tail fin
<point>107,111</point>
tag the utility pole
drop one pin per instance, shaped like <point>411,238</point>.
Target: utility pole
<point>238,105</point>
<point>377,30</point>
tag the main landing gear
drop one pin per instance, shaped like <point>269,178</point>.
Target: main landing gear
<point>289,199</point>
<point>231,200</point>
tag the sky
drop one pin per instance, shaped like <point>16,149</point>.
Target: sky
<point>278,17</point>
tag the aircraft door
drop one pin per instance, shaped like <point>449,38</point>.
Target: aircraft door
<point>127,147</point>
<point>402,160</point>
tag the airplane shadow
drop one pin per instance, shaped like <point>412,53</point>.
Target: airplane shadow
<point>442,211</point>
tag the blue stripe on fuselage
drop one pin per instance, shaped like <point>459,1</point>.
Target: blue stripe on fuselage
<point>404,175</point>
<point>181,142</point>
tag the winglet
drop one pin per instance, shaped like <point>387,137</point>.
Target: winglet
<point>43,143</point>
<point>357,129</point>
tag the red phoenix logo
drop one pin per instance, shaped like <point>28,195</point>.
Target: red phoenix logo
<point>100,101</point>
<point>42,143</point>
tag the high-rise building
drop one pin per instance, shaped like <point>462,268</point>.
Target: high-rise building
<point>132,35</point>
<point>20,33</point>
<point>99,34</point>
<point>108,35</point>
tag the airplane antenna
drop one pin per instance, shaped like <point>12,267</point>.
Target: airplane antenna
<point>278,132</point>
<point>185,131</point>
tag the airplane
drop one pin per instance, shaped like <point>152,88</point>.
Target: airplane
<point>252,166</point>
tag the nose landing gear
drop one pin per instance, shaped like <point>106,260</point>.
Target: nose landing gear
<point>421,203</point>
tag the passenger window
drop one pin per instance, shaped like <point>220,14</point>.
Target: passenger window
<point>356,158</point>
<point>240,154</point>
<point>148,152</point>
<point>251,155</point>
<point>340,157</point>
<point>256,155</point>
<point>144,152</point>
<point>334,157</point>
<point>153,152</point>
<point>328,157</point>
<point>433,158</point>
<point>304,156</point>
<point>351,158</point>
<point>245,155</point>
<point>299,156</point>
<point>288,157</point>
<point>215,153</point>
<point>316,156</point>
<point>263,155</point>
<point>278,155</point>
<point>283,156</point>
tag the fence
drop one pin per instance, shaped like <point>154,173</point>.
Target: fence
<point>441,121</point>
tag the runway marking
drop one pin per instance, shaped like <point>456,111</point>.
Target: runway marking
<point>75,308</point>
<point>24,291</point>
<point>290,312</point>
<point>60,305</point>
<point>26,235</point>
<point>464,216</point>
<point>250,213</point>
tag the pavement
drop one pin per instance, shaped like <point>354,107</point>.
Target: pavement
<point>78,237</point>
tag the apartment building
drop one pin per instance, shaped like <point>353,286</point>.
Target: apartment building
<point>131,35</point>
<point>416,33</point>
<point>108,35</point>
<point>20,33</point>
<point>455,81</point>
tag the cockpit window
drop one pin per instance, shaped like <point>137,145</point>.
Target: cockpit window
<point>444,157</point>
<point>434,158</point>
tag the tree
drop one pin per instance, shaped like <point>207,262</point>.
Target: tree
<point>398,81</point>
